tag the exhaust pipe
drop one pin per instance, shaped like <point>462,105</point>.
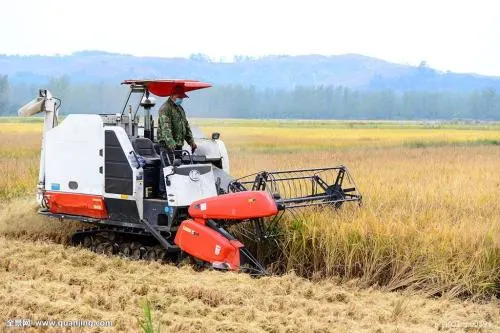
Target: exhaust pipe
<point>43,103</point>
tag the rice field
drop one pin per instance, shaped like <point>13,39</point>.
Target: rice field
<point>429,227</point>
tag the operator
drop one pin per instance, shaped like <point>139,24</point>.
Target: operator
<point>173,127</point>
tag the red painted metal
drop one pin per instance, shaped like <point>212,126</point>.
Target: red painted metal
<point>77,204</point>
<point>235,206</point>
<point>207,244</point>
<point>164,88</point>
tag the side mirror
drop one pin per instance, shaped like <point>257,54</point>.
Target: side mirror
<point>215,136</point>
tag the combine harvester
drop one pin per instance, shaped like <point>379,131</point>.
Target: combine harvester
<point>105,170</point>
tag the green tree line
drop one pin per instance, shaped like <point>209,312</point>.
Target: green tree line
<point>237,101</point>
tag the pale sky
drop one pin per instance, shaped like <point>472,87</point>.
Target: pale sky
<point>461,36</point>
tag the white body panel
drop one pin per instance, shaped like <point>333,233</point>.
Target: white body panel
<point>212,149</point>
<point>71,154</point>
<point>224,155</point>
<point>185,189</point>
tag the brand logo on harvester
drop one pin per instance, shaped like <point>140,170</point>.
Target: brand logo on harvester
<point>194,175</point>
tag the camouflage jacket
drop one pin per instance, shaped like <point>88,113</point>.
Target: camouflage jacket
<point>173,127</point>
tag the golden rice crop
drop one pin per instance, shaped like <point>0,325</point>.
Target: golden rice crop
<point>430,220</point>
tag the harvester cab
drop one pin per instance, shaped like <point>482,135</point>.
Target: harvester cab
<point>105,170</point>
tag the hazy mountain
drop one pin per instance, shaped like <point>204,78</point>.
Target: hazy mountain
<point>326,87</point>
<point>276,72</point>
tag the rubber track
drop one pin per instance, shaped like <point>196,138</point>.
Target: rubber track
<point>135,244</point>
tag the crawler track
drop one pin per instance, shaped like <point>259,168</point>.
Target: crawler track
<point>134,244</point>
<point>137,244</point>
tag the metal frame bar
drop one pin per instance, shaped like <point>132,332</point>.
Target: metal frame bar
<point>319,193</point>
<point>134,88</point>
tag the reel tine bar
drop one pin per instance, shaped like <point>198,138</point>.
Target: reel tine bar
<point>304,187</point>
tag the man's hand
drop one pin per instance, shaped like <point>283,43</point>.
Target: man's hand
<point>193,146</point>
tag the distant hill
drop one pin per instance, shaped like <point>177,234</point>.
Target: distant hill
<point>346,86</point>
<point>275,72</point>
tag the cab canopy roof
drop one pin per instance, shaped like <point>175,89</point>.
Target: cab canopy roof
<point>164,88</point>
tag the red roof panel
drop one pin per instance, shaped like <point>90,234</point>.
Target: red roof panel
<point>164,88</point>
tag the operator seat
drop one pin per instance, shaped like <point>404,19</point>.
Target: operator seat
<point>145,148</point>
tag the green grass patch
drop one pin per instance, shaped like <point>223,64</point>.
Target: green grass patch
<point>20,120</point>
<point>428,144</point>
<point>347,124</point>
<point>146,323</point>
